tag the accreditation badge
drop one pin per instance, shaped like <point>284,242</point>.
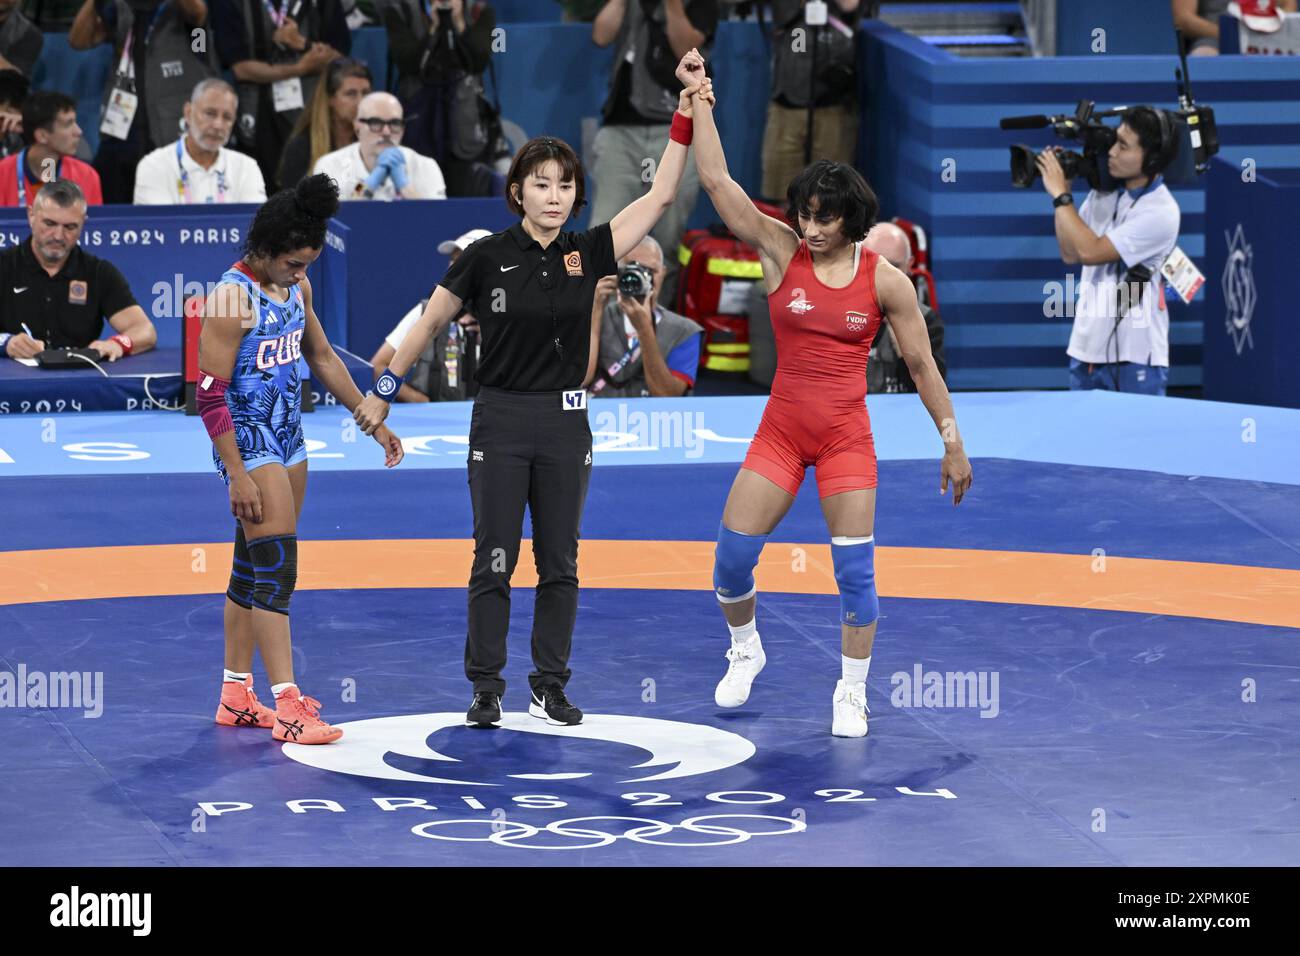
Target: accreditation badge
<point>573,263</point>
<point>77,290</point>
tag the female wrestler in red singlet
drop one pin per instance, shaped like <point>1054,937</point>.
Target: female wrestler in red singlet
<point>828,295</point>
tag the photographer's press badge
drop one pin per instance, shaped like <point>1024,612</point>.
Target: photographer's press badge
<point>573,263</point>
<point>77,292</point>
<point>1182,275</point>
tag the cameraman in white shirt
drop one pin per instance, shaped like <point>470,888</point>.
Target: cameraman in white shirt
<point>1119,237</point>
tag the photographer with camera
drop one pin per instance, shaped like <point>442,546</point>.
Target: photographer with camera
<point>1120,339</point>
<point>644,350</point>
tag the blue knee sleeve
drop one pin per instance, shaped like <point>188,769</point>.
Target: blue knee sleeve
<point>855,573</point>
<point>242,578</point>
<point>733,564</point>
<point>275,571</point>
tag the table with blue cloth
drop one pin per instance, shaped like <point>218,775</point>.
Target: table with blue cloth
<point>150,380</point>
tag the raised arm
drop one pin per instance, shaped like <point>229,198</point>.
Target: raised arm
<point>634,222</point>
<point>775,241</point>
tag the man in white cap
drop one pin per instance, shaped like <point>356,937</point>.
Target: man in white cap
<point>436,375</point>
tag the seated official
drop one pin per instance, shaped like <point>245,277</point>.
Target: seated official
<point>886,370</point>
<point>644,350</point>
<point>55,295</point>
<point>375,166</point>
<point>436,374</point>
<point>51,138</point>
<point>197,168</point>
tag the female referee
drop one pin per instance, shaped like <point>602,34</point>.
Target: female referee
<point>531,288</point>
<point>257,323</point>
<point>827,296</point>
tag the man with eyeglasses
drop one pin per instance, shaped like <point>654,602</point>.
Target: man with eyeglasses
<point>376,166</point>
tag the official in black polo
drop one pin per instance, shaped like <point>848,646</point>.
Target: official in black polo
<point>531,288</point>
<point>54,295</point>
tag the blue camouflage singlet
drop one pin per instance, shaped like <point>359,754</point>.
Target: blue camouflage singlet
<point>265,387</point>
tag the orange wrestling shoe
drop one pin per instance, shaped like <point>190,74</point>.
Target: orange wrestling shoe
<point>240,707</point>
<point>297,720</point>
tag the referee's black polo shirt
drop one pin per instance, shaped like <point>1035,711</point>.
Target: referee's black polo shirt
<point>66,310</point>
<point>525,298</point>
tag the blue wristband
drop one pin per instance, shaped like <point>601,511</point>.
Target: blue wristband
<point>388,385</point>
<point>4,342</point>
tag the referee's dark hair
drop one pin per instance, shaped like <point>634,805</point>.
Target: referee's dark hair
<point>293,218</point>
<point>41,109</point>
<point>841,192</point>
<point>62,192</point>
<point>535,152</point>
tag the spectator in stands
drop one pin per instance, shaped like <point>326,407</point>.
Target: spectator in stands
<point>644,349</point>
<point>1120,339</point>
<point>155,65</point>
<point>61,293</point>
<point>50,138</point>
<point>20,40</point>
<point>375,166</point>
<point>277,50</point>
<point>437,374</point>
<point>886,370</point>
<point>1198,20</point>
<point>13,92</point>
<point>329,121</point>
<point>441,50</point>
<point>197,168</point>
<point>835,111</point>
<point>650,37</point>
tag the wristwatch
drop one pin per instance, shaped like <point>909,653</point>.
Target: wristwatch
<point>1063,199</point>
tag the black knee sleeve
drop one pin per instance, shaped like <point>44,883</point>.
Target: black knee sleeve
<point>241,572</point>
<point>275,571</point>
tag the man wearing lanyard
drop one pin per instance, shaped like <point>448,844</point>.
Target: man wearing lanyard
<point>1120,338</point>
<point>197,168</point>
<point>155,65</point>
<point>531,288</point>
<point>50,135</point>
<point>276,50</point>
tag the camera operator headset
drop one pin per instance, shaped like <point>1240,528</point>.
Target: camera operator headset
<point>1121,237</point>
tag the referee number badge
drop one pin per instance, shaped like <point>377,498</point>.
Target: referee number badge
<point>574,400</point>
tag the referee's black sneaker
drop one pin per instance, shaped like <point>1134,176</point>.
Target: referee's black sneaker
<point>485,711</point>
<point>551,705</point>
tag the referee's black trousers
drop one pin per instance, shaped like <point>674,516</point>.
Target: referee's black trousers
<point>525,449</point>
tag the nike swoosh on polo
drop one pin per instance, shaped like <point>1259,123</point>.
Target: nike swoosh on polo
<point>18,289</point>
<point>508,268</point>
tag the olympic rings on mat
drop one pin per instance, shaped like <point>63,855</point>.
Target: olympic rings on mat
<point>512,833</point>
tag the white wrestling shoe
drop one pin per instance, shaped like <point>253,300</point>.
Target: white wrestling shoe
<point>746,661</point>
<point>850,707</point>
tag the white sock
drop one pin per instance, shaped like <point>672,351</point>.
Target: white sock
<point>278,689</point>
<point>235,677</point>
<point>854,670</point>
<point>743,633</point>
